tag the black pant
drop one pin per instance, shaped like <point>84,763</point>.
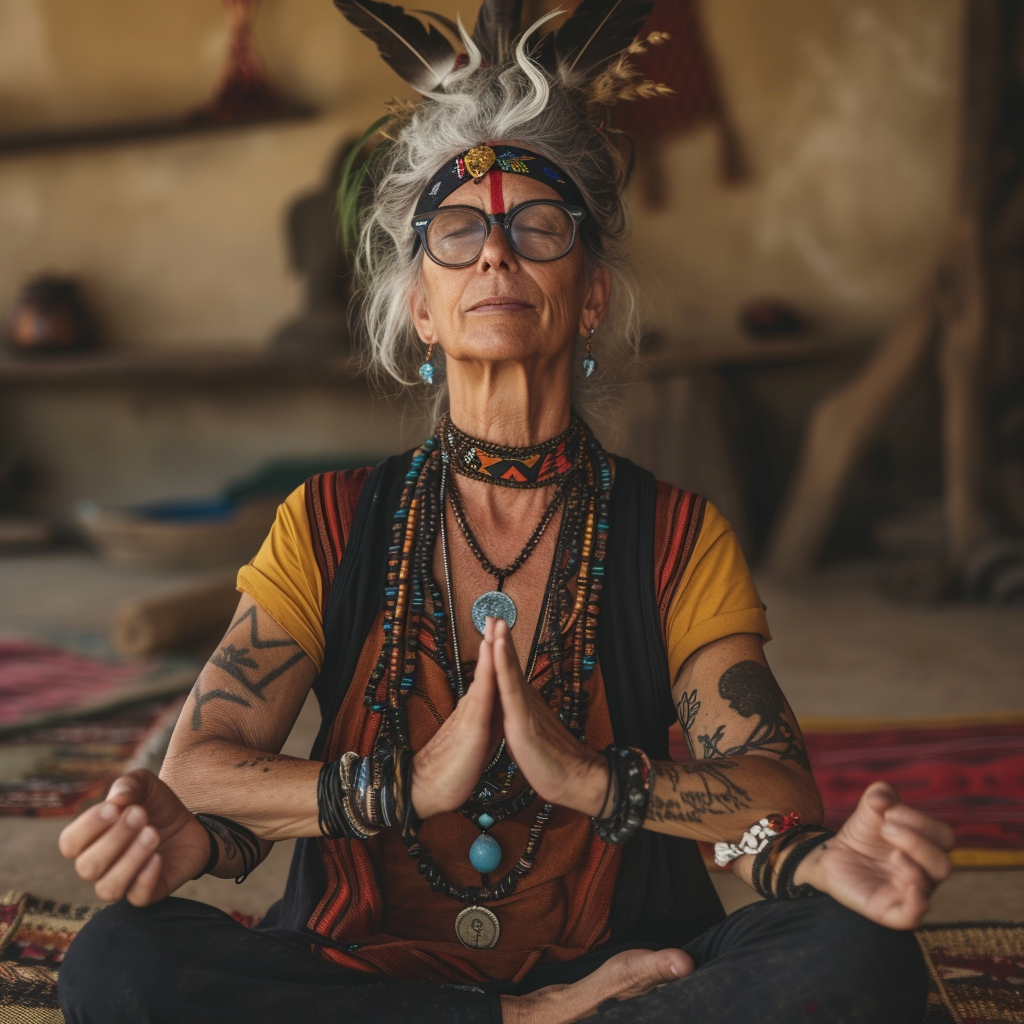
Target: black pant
<point>769,963</point>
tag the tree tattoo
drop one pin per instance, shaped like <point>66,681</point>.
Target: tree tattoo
<point>699,789</point>
<point>752,692</point>
<point>238,663</point>
<point>687,707</point>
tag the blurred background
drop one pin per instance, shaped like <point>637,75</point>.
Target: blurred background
<point>829,226</point>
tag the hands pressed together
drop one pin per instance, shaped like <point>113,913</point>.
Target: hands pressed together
<point>142,843</point>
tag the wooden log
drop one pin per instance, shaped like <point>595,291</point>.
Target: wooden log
<point>840,429</point>
<point>173,619</point>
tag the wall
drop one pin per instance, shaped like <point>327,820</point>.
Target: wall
<point>846,108</point>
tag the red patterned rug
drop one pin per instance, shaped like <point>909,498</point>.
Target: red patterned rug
<point>969,772</point>
<point>57,770</point>
<point>41,685</point>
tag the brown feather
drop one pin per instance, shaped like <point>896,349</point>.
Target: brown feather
<point>599,30</point>
<point>419,53</point>
<point>497,25</point>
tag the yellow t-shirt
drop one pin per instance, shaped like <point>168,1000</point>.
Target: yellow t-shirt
<point>713,598</point>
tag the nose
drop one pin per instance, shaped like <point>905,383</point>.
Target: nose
<point>497,253</point>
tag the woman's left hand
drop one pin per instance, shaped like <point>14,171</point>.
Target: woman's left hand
<point>884,862</point>
<point>561,769</point>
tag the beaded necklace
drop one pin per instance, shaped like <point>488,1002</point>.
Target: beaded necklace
<point>410,583</point>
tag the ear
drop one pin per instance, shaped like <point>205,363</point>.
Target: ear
<point>420,312</point>
<point>595,304</point>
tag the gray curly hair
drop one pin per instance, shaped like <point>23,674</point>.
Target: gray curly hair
<point>517,102</point>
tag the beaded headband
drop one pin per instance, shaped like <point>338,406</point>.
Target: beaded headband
<point>476,162</point>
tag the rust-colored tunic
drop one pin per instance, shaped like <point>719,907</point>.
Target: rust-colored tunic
<point>375,899</point>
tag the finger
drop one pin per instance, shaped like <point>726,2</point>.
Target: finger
<point>478,703</point>
<point>941,834</point>
<point>931,859</point>
<point>489,622</point>
<point>510,679</point>
<point>880,796</point>
<point>97,858</point>
<point>87,828</point>
<point>502,631</point>
<point>119,878</point>
<point>910,891</point>
<point>146,887</point>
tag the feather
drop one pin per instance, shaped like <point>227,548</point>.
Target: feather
<point>419,53</point>
<point>599,30</point>
<point>497,24</point>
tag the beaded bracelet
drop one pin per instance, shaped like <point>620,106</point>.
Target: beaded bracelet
<point>633,774</point>
<point>756,838</point>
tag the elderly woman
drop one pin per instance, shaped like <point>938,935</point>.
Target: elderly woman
<point>499,628</point>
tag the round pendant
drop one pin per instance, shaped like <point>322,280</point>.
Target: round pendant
<point>497,605</point>
<point>477,928</point>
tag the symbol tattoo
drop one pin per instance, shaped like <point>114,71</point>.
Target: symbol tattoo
<point>716,793</point>
<point>687,707</point>
<point>238,663</point>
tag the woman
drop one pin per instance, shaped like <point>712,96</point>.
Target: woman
<point>499,628</point>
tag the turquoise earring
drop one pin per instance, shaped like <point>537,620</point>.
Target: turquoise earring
<point>427,369</point>
<point>589,362</point>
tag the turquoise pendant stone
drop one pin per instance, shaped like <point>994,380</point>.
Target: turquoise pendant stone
<point>589,366</point>
<point>485,854</point>
<point>485,821</point>
<point>427,373</point>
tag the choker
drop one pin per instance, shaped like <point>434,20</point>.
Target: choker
<point>536,466</point>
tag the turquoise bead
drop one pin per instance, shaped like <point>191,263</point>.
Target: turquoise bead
<point>485,821</point>
<point>485,854</point>
<point>427,373</point>
<point>589,366</point>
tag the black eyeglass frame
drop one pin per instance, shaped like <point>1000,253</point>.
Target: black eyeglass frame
<point>421,224</point>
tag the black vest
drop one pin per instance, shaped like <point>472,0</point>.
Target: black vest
<point>663,894</point>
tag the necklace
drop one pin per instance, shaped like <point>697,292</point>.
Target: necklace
<point>497,603</point>
<point>534,466</point>
<point>409,583</point>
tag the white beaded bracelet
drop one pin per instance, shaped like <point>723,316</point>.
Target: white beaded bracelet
<point>756,838</point>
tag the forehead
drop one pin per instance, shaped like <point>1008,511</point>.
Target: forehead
<point>515,188</point>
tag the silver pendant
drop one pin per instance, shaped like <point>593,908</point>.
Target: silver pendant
<point>497,605</point>
<point>477,928</point>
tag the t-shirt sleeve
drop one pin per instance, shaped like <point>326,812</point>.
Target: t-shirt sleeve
<point>715,596</point>
<point>284,578</point>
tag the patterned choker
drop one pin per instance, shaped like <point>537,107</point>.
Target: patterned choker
<point>537,466</point>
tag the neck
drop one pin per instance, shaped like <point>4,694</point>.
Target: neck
<point>510,404</point>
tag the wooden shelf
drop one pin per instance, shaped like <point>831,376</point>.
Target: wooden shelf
<point>17,144</point>
<point>665,362</point>
<point>178,369</point>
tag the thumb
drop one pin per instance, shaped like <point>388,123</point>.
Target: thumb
<point>131,788</point>
<point>880,797</point>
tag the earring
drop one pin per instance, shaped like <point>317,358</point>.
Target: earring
<point>427,369</point>
<point>589,362</point>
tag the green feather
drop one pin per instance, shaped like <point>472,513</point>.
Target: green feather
<point>353,178</point>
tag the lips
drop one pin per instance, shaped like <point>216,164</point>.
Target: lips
<point>500,302</point>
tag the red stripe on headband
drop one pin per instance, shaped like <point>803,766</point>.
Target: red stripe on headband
<point>497,193</point>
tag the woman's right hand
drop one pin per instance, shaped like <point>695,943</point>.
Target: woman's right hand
<point>141,842</point>
<point>446,770</point>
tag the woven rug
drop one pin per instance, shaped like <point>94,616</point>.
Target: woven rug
<point>977,970</point>
<point>58,770</point>
<point>42,685</point>
<point>968,772</point>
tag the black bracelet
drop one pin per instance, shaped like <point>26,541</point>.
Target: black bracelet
<point>211,861</point>
<point>784,887</point>
<point>634,776</point>
<point>772,882</point>
<point>233,835</point>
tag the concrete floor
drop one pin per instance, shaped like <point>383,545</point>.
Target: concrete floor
<point>840,649</point>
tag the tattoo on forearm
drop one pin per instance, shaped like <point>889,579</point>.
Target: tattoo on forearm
<point>260,762</point>
<point>752,692</point>
<point>699,790</point>
<point>238,663</point>
<point>687,707</point>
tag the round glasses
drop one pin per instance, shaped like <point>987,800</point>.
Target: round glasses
<point>540,230</point>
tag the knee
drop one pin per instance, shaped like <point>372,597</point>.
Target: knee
<point>109,964</point>
<point>885,968</point>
